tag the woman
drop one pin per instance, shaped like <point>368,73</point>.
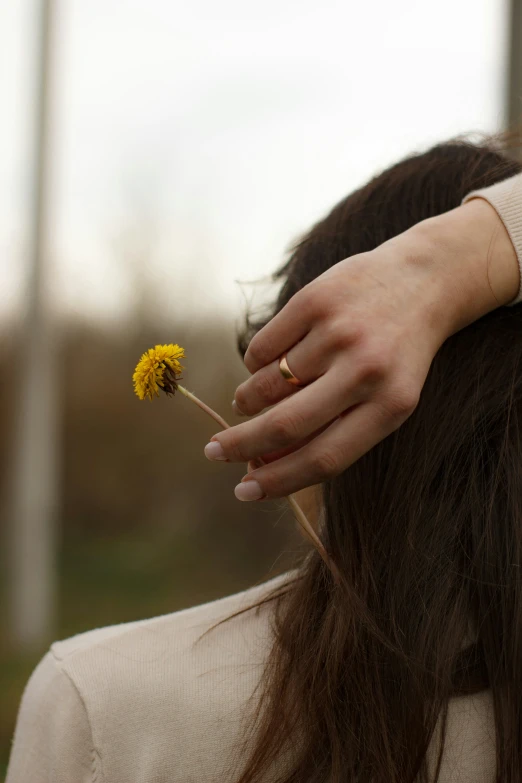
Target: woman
<point>410,669</point>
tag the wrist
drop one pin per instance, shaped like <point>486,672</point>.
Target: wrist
<point>475,261</point>
<point>493,250</point>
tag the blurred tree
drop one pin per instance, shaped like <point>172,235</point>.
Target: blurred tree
<point>34,464</point>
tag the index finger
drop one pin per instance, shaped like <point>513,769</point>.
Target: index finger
<point>283,331</point>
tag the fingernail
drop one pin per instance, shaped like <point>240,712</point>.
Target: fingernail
<point>214,450</point>
<point>249,490</point>
<point>237,410</point>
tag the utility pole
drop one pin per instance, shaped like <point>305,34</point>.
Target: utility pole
<point>514,75</point>
<point>33,509</point>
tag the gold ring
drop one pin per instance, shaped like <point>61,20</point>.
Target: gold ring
<point>287,373</point>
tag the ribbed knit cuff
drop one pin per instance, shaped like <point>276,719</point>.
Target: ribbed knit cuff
<point>506,198</point>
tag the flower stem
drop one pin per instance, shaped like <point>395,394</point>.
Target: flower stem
<point>299,514</point>
<point>204,407</point>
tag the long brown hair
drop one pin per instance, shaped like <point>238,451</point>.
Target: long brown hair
<point>426,530</point>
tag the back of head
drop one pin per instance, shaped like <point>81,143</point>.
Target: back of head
<point>425,528</point>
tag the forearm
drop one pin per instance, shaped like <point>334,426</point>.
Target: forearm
<point>476,261</point>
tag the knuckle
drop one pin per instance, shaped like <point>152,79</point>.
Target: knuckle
<point>374,366</point>
<point>340,339</point>
<point>326,464</point>
<point>315,300</point>
<point>357,333</point>
<point>340,336</point>
<point>264,388</point>
<point>285,428</point>
<point>400,403</point>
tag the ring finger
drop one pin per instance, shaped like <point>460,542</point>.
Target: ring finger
<point>307,361</point>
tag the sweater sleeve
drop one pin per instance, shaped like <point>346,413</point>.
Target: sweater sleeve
<point>506,198</point>
<point>53,739</point>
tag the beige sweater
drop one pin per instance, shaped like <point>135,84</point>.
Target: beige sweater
<point>506,197</point>
<point>135,703</point>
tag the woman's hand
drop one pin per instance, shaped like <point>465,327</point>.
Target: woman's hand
<point>361,338</point>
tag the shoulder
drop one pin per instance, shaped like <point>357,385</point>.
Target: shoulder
<point>53,737</point>
<point>144,640</point>
<point>157,691</point>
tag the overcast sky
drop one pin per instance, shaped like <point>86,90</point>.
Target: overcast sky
<point>204,135</point>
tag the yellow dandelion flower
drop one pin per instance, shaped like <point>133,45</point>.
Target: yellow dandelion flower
<point>158,368</point>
